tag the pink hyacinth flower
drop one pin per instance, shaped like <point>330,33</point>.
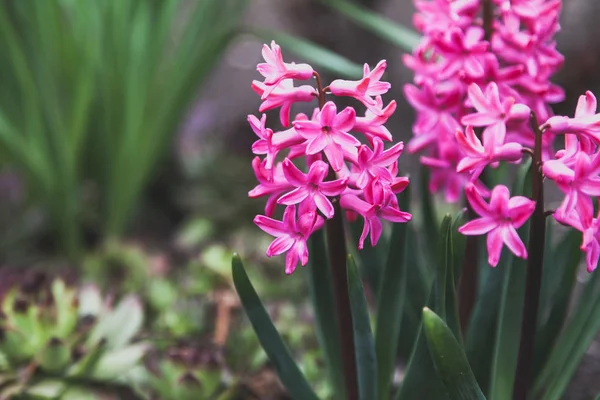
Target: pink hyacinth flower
<point>373,163</point>
<point>311,189</point>
<point>377,204</point>
<point>493,113</point>
<point>364,89</point>
<point>283,95</point>
<point>291,235</point>
<point>500,219</point>
<point>371,125</point>
<point>330,134</point>
<point>271,182</point>
<point>586,122</point>
<point>275,70</point>
<point>478,156</point>
<point>264,145</point>
<point>578,184</point>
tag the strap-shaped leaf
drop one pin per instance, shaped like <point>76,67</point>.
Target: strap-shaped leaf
<point>313,53</point>
<point>379,25</point>
<point>321,291</point>
<point>449,359</point>
<point>571,345</point>
<point>391,303</point>
<point>421,380</point>
<point>269,338</point>
<point>565,260</point>
<point>508,329</point>
<point>364,346</point>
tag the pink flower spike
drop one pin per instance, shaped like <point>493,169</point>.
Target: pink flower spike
<point>283,95</point>
<point>271,182</point>
<point>499,220</point>
<point>290,235</point>
<point>311,189</point>
<point>275,70</point>
<point>478,156</point>
<point>492,112</point>
<point>363,90</point>
<point>330,134</point>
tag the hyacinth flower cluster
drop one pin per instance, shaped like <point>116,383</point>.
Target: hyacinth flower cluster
<point>482,69</point>
<point>314,161</point>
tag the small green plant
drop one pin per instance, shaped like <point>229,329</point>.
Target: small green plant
<point>58,342</point>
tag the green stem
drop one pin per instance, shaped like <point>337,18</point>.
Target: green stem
<point>336,245</point>
<point>533,281</point>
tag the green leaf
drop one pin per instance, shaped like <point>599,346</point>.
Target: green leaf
<point>269,338</point>
<point>421,380</point>
<point>321,290</point>
<point>508,329</point>
<point>116,363</point>
<point>379,25</point>
<point>390,303</point>
<point>364,346</point>
<point>313,53</point>
<point>561,268</point>
<point>572,344</point>
<point>430,221</point>
<point>121,325</point>
<point>449,359</point>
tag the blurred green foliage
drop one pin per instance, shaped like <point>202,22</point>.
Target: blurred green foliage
<point>91,92</point>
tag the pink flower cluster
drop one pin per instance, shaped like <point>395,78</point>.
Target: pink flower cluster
<point>474,92</point>
<point>576,171</point>
<point>362,177</point>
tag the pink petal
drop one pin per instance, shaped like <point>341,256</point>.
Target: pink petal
<point>328,114</point>
<point>270,226</point>
<point>324,205</point>
<point>477,202</point>
<point>479,119</point>
<point>333,188</point>
<point>294,197</point>
<point>345,120</point>
<point>513,241</point>
<point>291,262</point>
<point>479,226</point>
<point>477,98</point>
<point>494,247</point>
<point>280,245</point>
<point>376,229</point>
<point>317,172</point>
<point>394,214</point>
<point>520,208</point>
<point>335,156</point>
<point>293,175</point>
<point>318,144</point>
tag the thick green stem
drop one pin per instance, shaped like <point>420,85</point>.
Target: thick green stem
<point>336,245</point>
<point>533,281</point>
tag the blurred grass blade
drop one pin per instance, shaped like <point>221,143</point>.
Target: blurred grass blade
<point>321,291</point>
<point>391,303</point>
<point>313,53</point>
<point>269,338</point>
<point>379,25</point>
<point>449,359</point>
<point>366,362</point>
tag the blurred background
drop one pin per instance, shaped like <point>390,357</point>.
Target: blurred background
<point>125,166</point>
